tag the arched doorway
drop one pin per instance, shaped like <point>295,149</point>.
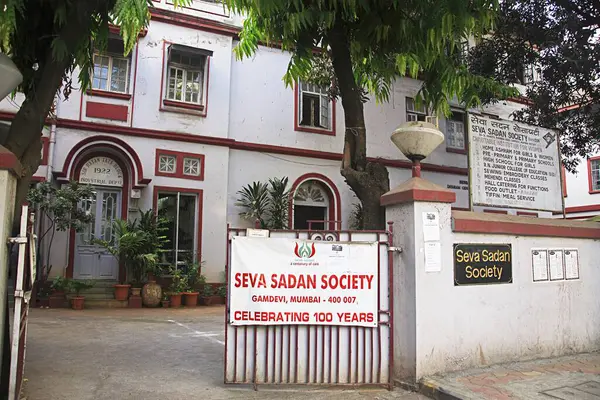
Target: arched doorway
<point>107,204</point>
<point>315,203</point>
<point>113,169</point>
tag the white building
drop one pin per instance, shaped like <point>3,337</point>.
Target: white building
<point>152,144</point>
<point>582,189</point>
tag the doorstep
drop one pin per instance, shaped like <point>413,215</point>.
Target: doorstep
<point>567,378</point>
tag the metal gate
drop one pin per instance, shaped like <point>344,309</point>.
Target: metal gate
<point>25,277</point>
<point>316,355</point>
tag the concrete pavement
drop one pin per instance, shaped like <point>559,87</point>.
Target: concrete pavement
<point>144,354</point>
<point>567,378</point>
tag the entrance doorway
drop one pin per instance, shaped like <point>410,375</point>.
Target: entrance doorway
<point>311,206</point>
<point>92,261</point>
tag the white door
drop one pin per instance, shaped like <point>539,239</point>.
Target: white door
<point>91,260</point>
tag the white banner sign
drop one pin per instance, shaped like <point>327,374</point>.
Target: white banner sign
<point>277,281</point>
<point>101,171</point>
<point>514,165</point>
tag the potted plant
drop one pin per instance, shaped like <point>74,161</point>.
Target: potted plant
<point>222,293</point>
<point>165,301</point>
<point>122,292</point>
<point>207,295</point>
<point>57,288</point>
<point>178,285</point>
<point>195,280</point>
<point>134,245</point>
<point>77,301</point>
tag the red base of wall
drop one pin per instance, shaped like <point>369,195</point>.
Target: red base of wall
<point>135,302</point>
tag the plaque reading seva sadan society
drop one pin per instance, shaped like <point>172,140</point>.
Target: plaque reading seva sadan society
<point>514,165</point>
<point>478,263</point>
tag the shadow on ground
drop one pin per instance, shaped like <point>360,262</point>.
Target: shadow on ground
<point>143,354</point>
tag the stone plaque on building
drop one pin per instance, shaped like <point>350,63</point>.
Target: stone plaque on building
<point>514,165</point>
<point>102,171</point>
<point>478,263</point>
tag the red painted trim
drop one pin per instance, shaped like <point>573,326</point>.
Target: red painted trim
<point>8,161</point>
<point>461,209</point>
<point>80,106</point>
<point>189,21</point>
<point>335,200</point>
<point>589,168</point>
<point>507,225</point>
<point>411,195</point>
<point>457,151</point>
<point>235,145</point>
<point>578,209</point>
<point>179,157</point>
<point>527,214</point>
<point>563,172</point>
<point>117,30</point>
<point>174,189</point>
<point>38,179</point>
<point>300,128</point>
<point>181,104</point>
<point>495,211</point>
<point>90,140</point>
<point>162,75</point>
<point>75,172</point>
<point>520,100</point>
<point>110,95</point>
<point>45,150</point>
<point>106,111</point>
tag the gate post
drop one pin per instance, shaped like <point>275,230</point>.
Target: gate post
<point>408,206</point>
<point>10,170</point>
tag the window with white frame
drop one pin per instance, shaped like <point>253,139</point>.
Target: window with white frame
<point>414,113</point>
<point>595,175</point>
<point>111,68</point>
<point>186,74</point>
<point>455,131</point>
<point>180,211</point>
<point>314,106</point>
<point>527,74</point>
<point>191,166</point>
<point>167,164</point>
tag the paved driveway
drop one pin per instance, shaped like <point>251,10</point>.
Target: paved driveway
<point>143,354</point>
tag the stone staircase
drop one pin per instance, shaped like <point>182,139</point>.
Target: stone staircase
<point>102,295</point>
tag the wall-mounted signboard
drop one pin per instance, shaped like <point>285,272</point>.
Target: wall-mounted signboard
<point>514,165</point>
<point>480,263</point>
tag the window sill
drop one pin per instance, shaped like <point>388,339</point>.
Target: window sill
<point>320,131</point>
<point>457,151</point>
<point>181,104</point>
<point>593,192</point>
<point>110,95</point>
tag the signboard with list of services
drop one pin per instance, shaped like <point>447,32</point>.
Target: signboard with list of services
<point>280,281</point>
<point>514,165</point>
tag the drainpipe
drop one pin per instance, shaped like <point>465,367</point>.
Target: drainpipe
<point>51,144</point>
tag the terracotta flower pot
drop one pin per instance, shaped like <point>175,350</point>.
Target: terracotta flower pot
<point>206,301</point>
<point>136,291</point>
<point>122,292</point>
<point>190,299</point>
<point>77,302</point>
<point>165,303</point>
<point>176,300</point>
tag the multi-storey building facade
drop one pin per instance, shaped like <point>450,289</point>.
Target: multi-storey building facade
<point>180,126</point>
<point>582,190</point>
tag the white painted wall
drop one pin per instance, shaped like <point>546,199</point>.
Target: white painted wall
<point>578,189</point>
<point>451,328</point>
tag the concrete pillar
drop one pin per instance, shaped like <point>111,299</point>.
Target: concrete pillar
<point>405,207</point>
<point>10,170</point>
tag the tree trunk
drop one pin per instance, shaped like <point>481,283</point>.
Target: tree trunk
<point>24,136</point>
<point>368,180</point>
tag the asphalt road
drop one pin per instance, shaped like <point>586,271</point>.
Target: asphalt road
<point>144,354</point>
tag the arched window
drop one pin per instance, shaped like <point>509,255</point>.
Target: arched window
<point>311,203</point>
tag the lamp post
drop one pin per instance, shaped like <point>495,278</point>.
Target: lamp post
<point>416,140</point>
<point>11,76</point>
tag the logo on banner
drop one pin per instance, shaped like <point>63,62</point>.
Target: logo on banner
<point>304,251</point>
